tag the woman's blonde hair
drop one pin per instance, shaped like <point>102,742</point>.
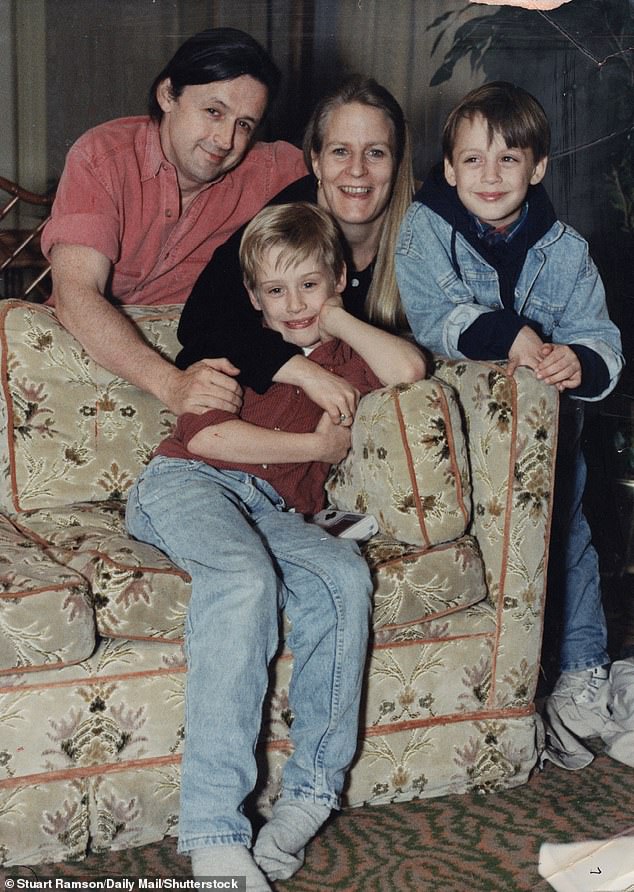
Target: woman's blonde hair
<point>302,230</point>
<point>383,304</point>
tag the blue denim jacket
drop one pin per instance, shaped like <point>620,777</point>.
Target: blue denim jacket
<point>559,288</point>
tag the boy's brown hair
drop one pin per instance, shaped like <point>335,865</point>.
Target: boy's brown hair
<point>304,230</point>
<point>509,111</point>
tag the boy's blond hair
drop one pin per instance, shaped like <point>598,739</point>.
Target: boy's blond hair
<point>508,110</point>
<point>303,230</point>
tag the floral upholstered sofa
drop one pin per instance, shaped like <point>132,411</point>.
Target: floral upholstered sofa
<point>457,469</point>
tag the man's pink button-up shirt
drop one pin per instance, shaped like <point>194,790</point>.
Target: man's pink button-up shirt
<point>119,195</point>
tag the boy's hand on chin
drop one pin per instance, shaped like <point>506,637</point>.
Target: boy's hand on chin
<point>328,319</point>
<point>335,440</point>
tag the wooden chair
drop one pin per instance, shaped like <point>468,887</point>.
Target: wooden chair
<point>24,271</point>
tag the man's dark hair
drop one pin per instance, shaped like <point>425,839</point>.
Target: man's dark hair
<point>217,54</point>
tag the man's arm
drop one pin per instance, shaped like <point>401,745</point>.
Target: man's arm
<point>80,276</point>
<point>240,441</point>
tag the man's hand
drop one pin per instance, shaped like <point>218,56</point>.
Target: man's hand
<point>207,384</point>
<point>526,350</point>
<point>336,439</point>
<point>559,366</point>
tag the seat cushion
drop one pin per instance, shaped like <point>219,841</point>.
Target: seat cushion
<point>138,593</point>
<point>417,585</point>
<point>46,619</point>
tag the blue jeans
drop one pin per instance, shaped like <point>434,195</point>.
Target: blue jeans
<point>574,583</point>
<point>249,558</point>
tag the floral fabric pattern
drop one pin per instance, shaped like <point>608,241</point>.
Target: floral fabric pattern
<point>457,469</point>
<point>74,431</point>
<point>408,464</point>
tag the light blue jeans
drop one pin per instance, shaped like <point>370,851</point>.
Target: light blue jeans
<point>574,581</point>
<point>249,558</point>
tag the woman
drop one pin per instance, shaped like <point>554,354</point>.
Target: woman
<point>357,145</point>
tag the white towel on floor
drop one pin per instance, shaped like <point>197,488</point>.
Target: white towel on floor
<point>592,866</point>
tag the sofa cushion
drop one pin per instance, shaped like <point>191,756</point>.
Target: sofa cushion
<point>138,593</point>
<point>417,585</point>
<point>70,430</point>
<point>408,465</point>
<point>46,619</point>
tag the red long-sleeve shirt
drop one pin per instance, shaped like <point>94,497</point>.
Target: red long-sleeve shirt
<point>287,408</point>
<point>119,195</point>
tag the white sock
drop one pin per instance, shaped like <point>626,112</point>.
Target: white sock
<point>279,848</point>
<point>229,861</point>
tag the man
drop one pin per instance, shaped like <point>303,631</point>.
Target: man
<point>143,202</point>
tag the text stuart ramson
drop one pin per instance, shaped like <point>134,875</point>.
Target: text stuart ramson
<point>211,883</point>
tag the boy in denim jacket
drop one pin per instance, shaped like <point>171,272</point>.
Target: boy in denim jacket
<point>486,271</point>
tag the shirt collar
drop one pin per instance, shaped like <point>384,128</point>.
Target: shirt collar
<point>495,235</point>
<point>154,156</point>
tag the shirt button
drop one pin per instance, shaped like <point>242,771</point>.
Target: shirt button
<point>354,283</point>
<point>265,466</point>
<point>168,213</point>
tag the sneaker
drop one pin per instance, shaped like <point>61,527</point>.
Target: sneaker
<point>618,733</point>
<point>576,709</point>
<point>580,701</point>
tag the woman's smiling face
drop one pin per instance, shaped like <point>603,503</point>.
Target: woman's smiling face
<point>356,164</point>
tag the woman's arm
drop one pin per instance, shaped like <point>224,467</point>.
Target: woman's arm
<point>393,359</point>
<point>243,442</point>
<point>218,319</point>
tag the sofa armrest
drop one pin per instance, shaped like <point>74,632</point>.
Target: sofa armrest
<point>408,464</point>
<point>511,427</point>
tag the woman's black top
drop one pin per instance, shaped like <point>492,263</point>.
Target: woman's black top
<point>218,318</point>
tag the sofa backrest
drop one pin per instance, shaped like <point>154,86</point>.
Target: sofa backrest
<point>70,431</point>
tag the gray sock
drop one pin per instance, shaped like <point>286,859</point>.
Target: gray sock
<point>279,848</point>
<point>229,861</point>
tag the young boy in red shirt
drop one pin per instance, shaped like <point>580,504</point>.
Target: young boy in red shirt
<point>224,498</point>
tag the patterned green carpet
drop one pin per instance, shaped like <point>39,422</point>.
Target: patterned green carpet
<point>455,844</point>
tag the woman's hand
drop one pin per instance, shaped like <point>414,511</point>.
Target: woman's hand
<point>336,439</point>
<point>335,395</point>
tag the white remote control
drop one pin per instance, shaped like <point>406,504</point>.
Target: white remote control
<point>347,525</point>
